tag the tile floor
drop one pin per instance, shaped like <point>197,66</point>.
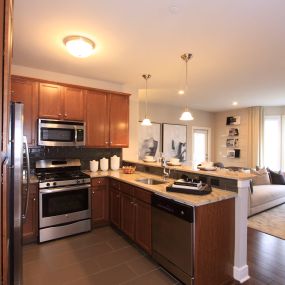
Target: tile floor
<point>100,257</point>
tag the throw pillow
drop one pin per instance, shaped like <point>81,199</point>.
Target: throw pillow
<point>276,178</point>
<point>261,177</point>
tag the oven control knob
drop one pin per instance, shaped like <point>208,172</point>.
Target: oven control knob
<point>78,181</point>
<point>48,184</point>
<point>54,184</point>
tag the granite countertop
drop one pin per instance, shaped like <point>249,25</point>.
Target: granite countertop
<point>223,173</point>
<point>192,200</point>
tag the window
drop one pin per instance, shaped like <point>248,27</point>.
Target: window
<point>274,140</point>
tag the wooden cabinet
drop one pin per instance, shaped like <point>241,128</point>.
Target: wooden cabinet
<point>60,102</point>
<point>26,91</point>
<point>100,201</point>
<point>128,215</point>
<point>107,119</point>
<point>73,104</point>
<point>30,225</point>
<point>143,225</point>
<point>115,207</point>
<point>130,211</point>
<point>119,120</point>
<point>50,101</point>
<point>97,122</point>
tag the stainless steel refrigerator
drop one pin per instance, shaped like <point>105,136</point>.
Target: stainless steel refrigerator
<point>17,209</point>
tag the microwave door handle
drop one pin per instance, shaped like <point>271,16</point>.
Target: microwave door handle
<point>24,216</point>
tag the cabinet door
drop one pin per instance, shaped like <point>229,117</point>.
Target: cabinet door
<point>119,120</point>
<point>97,122</point>
<point>143,225</point>
<point>100,201</point>
<point>115,207</point>
<point>50,101</point>
<point>73,104</point>
<point>25,91</point>
<point>128,215</point>
<point>30,225</point>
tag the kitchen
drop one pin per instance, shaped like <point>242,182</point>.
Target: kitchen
<point>107,112</point>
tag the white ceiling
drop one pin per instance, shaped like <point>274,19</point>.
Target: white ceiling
<point>237,45</point>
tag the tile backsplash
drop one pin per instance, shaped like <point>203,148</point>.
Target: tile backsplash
<point>83,153</point>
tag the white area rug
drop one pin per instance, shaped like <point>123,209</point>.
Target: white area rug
<point>271,221</point>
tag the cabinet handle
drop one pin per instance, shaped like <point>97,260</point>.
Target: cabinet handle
<point>59,114</point>
<point>65,115</point>
<point>110,142</point>
<point>118,196</point>
<point>93,192</point>
<point>34,199</point>
<point>106,142</point>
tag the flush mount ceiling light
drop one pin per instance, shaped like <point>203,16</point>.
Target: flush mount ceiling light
<point>79,46</point>
<point>235,103</point>
<point>186,115</point>
<point>146,121</point>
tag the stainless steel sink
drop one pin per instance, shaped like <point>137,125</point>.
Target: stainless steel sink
<point>150,181</point>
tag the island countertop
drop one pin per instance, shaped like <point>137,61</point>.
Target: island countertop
<point>191,200</point>
<point>222,173</point>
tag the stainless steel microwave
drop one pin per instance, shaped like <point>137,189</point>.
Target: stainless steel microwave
<point>61,133</point>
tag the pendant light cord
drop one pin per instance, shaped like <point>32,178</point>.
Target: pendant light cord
<point>146,98</point>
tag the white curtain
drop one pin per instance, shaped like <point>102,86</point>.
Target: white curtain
<point>255,136</point>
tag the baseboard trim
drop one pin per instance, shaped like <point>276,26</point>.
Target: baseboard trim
<point>241,273</point>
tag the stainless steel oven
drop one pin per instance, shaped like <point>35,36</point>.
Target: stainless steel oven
<point>61,133</point>
<point>64,199</point>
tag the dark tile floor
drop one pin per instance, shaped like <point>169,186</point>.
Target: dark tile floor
<point>100,257</point>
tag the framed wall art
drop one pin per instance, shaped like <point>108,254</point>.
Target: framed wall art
<point>175,141</point>
<point>149,140</point>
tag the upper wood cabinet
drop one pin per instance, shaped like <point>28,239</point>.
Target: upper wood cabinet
<point>97,122</point>
<point>50,101</point>
<point>73,104</point>
<point>107,119</point>
<point>26,91</point>
<point>58,102</point>
<point>119,120</point>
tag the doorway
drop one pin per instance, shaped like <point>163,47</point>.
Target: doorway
<point>201,145</point>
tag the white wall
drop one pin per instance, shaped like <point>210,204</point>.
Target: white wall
<point>160,113</point>
<point>221,135</point>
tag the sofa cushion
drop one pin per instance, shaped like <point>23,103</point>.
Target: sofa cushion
<point>261,177</point>
<point>263,194</point>
<point>276,178</point>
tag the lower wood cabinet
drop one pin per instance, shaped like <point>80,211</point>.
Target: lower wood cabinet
<point>130,211</point>
<point>99,201</point>
<point>30,225</point>
<point>115,207</point>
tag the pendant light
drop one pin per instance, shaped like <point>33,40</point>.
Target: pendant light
<point>186,115</point>
<point>146,121</point>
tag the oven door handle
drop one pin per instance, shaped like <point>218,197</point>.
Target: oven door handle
<point>66,188</point>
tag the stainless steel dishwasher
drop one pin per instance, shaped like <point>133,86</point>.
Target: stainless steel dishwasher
<point>172,237</point>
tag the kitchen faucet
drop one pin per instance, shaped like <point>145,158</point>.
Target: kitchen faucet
<point>165,173</point>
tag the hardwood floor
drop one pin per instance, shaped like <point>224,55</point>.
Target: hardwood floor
<point>266,259</point>
<point>105,257</point>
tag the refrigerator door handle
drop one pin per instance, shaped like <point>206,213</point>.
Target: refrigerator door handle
<point>24,216</point>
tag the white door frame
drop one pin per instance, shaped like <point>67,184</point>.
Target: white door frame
<point>209,140</point>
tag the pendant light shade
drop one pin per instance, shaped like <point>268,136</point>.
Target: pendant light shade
<point>146,121</point>
<point>186,115</point>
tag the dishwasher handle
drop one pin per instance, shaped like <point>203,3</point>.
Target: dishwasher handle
<point>172,207</point>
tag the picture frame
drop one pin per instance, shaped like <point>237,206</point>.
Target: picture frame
<point>149,140</point>
<point>233,153</point>
<point>174,138</point>
<point>233,132</point>
<point>232,142</point>
<point>233,121</point>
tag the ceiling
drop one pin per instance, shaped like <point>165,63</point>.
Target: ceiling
<point>237,45</point>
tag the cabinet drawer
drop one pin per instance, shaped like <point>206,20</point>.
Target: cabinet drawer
<point>127,189</point>
<point>99,181</point>
<point>115,184</point>
<point>142,195</point>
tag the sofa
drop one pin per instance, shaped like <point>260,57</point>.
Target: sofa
<point>264,197</point>
<point>267,190</point>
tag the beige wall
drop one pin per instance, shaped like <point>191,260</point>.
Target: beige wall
<point>274,111</point>
<point>221,135</point>
<point>160,113</point>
